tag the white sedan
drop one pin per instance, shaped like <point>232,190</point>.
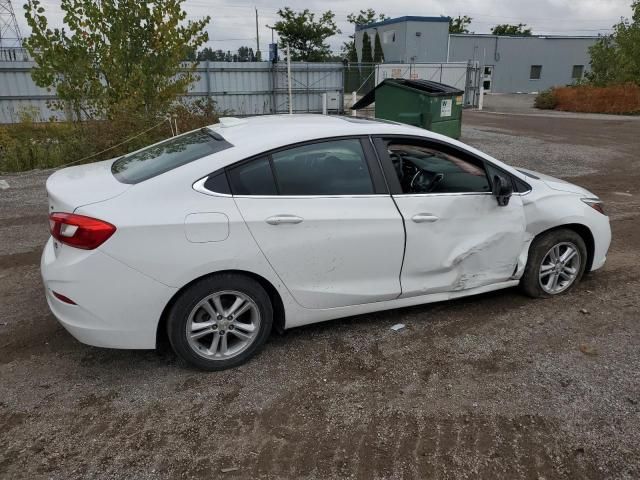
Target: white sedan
<point>217,236</point>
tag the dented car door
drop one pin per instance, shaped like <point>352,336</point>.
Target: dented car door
<point>457,236</point>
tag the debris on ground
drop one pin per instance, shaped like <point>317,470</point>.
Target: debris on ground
<point>230,469</point>
<point>398,326</point>
<point>588,349</point>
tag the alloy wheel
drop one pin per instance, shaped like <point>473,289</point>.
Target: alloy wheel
<point>223,325</point>
<point>559,268</point>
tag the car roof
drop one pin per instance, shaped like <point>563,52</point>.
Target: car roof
<point>273,131</point>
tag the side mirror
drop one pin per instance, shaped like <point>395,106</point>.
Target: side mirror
<point>502,189</point>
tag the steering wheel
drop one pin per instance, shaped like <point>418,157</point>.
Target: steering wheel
<point>418,184</point>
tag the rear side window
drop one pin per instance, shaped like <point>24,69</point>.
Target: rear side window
<point>337,167</point>
<point>175,152</point>
<point>253,178</point>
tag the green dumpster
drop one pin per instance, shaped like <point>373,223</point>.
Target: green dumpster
<point>425,104</point>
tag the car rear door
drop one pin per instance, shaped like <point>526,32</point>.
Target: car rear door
<point>322,216</point>
<point>458,237</point>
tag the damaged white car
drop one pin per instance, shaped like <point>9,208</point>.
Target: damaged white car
<point>217,236</point>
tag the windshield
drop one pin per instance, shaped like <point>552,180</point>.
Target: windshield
<point>152,161</point>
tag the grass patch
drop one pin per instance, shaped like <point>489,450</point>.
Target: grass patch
<point>614,99</point>
<point>30,145</point>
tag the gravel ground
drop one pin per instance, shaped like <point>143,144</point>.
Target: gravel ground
<point>496,385</point>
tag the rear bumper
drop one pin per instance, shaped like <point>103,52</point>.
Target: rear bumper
<point>116,306</point>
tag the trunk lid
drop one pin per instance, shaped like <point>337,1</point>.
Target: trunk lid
<point>74,187</point>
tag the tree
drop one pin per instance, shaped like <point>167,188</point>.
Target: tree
<point>516,30</point>
<point>114,55</point>
<point>378,54</point>
<point>304,35</point>
<point>245,54</point>
<point>615,58</point>
<point>210,54</point>
<point>190,55</point>
<point>364,17</point>
<point>349,51</point>
<point>459,24</point>
<point>367,56</point>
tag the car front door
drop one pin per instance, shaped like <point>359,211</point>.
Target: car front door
<point>323,217</point>
<point>458,237</point>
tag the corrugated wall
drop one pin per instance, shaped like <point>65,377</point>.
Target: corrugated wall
<point>247,88</point>
<point>511,59</point>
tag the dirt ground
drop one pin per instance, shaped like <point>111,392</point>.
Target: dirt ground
<point>493,386</point>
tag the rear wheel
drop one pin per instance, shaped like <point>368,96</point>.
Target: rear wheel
<point>220,321</point>
<point>556,263</point>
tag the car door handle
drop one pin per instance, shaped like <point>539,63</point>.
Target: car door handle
<point>280,219</point>
<point>424,218</point>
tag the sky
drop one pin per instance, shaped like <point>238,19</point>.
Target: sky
<point>233,22</point>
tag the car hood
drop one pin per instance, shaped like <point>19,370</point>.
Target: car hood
<point>74,187</point>
<point>556,183</point>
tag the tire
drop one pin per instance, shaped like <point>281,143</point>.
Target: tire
<point>205,332</point>
<point>540,253</point>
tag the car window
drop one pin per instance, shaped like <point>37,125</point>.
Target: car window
<point>423,169</point>
<point>336,167</point>
<point>218,183</point>
<point>253,178</point>
<point>177,151</point>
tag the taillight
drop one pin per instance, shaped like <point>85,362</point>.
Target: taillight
<point>79,231</point>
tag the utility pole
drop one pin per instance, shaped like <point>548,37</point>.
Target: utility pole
<point>258,54</point>
<point>289,79</point>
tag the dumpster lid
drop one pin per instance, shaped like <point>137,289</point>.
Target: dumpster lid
<point>426,87</point>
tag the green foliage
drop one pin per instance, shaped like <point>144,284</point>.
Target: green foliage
<point>349,51</point>
<point>28,145</point>
<point>516,30</point>
<point>367,56</point>
<point>210,54</point>
<point>306,36</point>
<point>615,58</point>
<point>459,24</point>
<point>364,17</point>
<point>245,54</point>
<point>546,100</point>
<point>114,56</point>
<point>378,54</point>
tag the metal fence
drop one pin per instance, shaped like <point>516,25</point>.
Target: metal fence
<point>255,88</point>
<point>359,77</point>
<point>461,75</point>
<point>251,88</point>
<point>243,88</point>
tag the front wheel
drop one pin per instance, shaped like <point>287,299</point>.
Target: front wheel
<point>556,263</point>
<point>220,321</point>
